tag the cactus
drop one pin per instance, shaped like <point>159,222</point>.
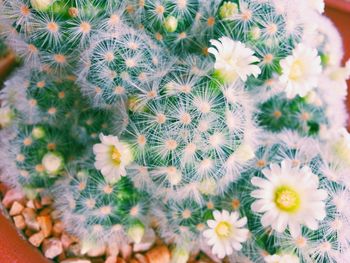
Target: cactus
<point>191,140</point>
<point>271,29</point>
<point>226,116</point>
<point>97,211</point>
<point>35,156</point>
<point>54,32</point>
<point>167,21</point>
<point>117,65</point>
<point>303,154</point>
<point>279,113</point>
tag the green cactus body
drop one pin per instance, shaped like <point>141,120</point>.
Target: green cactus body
<point>192,138</point>
<point>97,211</point>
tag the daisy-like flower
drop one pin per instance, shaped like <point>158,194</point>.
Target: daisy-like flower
<point>226,233</point>
<point>112,156</point>
<point>289,197</point>
<point>286,258</point>
<point>300,71</point>
<point>233,60</point>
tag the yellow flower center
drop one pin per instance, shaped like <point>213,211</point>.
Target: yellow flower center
<point>223,229</point>
<point>297,70</point>
<point>287,199</point>
<point>116,156</point>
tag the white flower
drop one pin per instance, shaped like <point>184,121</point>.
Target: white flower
<point>289,197</point>
<point>341,145</point>
<point>233,60</point>
<point>52,162</point>
<point>286,258</point>
<point>300,71</point>
<point>317,5</point>
<point>112,156</point>
<point>226,233</point>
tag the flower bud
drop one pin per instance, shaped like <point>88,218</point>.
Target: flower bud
<point>179,255</point>
<point>38,132</point>
<point>170,24</point>
<point>136,232</point>
<point>41,5</point>
<point>52,162</point>
<point>208,186</point>
<point>341,147</point>
<point>244,153</point>
<point>6,116</point>
<point>228,10</point>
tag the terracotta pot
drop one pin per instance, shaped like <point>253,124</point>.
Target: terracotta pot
<point>339,12</point>
<point>14,249</point>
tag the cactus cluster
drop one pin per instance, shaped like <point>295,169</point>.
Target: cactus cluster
<point>192,140</point>
<point>98,211</point>
<point>220,124</point>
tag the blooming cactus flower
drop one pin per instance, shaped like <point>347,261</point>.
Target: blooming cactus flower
<point>289,197</point>
<point>112,156</point>
<point>233,60</point>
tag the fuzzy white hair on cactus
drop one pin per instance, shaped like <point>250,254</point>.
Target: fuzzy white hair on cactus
<point>112,156</point>
<point>289,197</point>
<point>226,232</point>
<point>300,71</point>
<point>284,258</point>
<point>233,60</point>
<point>317,5</point>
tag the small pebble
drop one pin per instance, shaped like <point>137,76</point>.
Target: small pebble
<point>57,228</point>
<point>30,218</point>
<point>126,251</point>
<point>12,196</point>
<point>45,223</point>
<point>46,200</point>
<point>37,239</point>
<point>111,259</point>
<point>160,254</point>
<point>141,258</point>
<point>112,249</point>
<point>16,208</point>
<point>66,240</point>
<point>52,248</point>
<point>19,222</point>
<point>76,260</point>
<point>97,251</point>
